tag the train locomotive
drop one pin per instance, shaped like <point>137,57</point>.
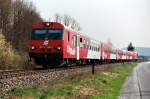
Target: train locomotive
<point>54,44</point>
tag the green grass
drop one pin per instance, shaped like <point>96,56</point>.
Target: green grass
<point>20,92</point>
<point>104,85</point>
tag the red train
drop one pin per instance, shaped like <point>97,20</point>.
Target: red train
<point>54,44</point>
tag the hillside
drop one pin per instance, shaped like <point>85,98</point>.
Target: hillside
<point>143,51</point>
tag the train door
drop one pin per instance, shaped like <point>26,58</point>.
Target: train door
<point>77,46</point>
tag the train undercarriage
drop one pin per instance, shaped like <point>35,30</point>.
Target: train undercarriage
<point>57,60</point>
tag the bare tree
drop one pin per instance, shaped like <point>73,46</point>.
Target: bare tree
<point>16,19</point>
<point>73,24</point>
<point>78,27</point>
<point>110,42</point>
<point>67,21</point>
<point>57,18</point>
<point>4,15</point>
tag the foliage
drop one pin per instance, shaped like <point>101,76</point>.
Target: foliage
<point>10,58</point>
<point>130,47</point>
<point>25,91</point>
<point>16,19</point>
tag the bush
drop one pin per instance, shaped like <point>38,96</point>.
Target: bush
<point>9,57</point>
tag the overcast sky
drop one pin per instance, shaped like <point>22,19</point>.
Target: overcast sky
<point>121,21</point>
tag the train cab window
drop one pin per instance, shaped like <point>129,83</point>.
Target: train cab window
<point>41,34</point>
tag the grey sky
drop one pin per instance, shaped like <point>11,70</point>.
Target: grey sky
<point>121,21</point>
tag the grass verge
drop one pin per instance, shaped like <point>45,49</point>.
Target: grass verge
<point>103,85</point>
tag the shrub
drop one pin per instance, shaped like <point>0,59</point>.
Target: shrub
<point>9,57</point>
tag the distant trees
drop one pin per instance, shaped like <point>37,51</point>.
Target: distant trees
<point>67,21</point>
<point>57,18</point>
<point>5,6</point>
<point>16,19</point>
<point>130,47</point>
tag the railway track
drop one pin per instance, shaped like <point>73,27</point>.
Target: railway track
<point>17,73</point>
<point>4,74</point>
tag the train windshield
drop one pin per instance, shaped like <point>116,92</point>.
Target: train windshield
<point>47,34</point>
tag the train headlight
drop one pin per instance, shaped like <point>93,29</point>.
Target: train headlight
<point>33,47</point>
<point>47,24</point>
<point>58,48</point>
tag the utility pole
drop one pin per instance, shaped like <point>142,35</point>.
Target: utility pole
<point>93,67</point>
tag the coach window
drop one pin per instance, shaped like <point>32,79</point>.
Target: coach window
<point>97,48</point>
<point>92,48</point>
<point>87,44</point>
<point>68,36</point>
<point>84,43</point>
<point>91,45</point>
<point>75,40</point>
<point>81,42</point>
